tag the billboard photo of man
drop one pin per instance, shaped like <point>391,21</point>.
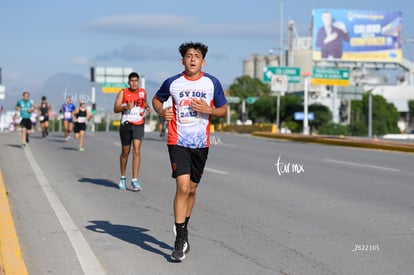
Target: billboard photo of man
<point>331,36</point>
<point>356,35</point>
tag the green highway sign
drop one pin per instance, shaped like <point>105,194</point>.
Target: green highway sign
<point>113,87</point>
<point>117,85</point>
<point>233,99</point>
<point>251,100</point>
<point>292,73</point>
<point>330,76</point>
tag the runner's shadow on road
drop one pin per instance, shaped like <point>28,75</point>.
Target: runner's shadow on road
<point>70,148</point>
<point>103,182</point>
<point>154,139</point>
<point>57,140</point>
<point>135,235</point>
<point>14,145</point>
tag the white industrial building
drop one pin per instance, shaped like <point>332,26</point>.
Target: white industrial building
<point>394,81</point>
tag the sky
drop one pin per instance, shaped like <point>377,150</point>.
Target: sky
<point>39,39</point>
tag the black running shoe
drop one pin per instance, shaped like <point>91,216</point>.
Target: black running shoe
<point>178,252</point>
<point>185,238</point>
<point>187,247</point>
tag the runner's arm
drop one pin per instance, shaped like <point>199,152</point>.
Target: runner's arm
<point>118,106</point>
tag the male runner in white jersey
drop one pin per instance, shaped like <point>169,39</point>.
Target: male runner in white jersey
<point>196,97</point>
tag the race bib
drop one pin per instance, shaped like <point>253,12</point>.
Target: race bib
<point>41,118</point>
<point>67,115</point>
<point>81,119</point>
<point>186,114</point>
<point>135,114</point>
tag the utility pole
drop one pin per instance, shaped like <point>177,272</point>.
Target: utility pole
<point>93,95</point>
<point>306,75</point>
<point>281,34</point>
<point>280,65</point>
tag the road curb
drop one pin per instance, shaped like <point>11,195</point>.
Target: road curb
<point>343,141</point>
<point>11,260</point>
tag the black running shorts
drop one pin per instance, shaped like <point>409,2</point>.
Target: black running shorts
<point>188,161</point>
<point>79,127</point>
<point>129,132</point>
<point>26,123</point>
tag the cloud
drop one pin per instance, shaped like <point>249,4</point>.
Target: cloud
<point>134,52</point>
<point>79,60</point>
<point>166,25</point>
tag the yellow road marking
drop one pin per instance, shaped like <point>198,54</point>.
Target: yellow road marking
<point>11,260</point>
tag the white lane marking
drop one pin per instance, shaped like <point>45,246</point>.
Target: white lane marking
<point>87,259</point>
<point>216,171</point>
<point>363,165</point>
<point>224,145</point>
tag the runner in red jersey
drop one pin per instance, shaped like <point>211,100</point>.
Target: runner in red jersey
<point>132,103</point>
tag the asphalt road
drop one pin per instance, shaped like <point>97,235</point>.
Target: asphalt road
<point>263,207</point>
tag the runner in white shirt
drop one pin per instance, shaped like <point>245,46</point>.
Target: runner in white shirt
<point>196,97</point>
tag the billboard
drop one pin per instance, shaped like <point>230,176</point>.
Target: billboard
<point>354,35</point>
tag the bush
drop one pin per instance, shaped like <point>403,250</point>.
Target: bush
<point>333,129</point>
<point>244,128</point>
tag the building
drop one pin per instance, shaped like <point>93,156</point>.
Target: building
<point>364,76</point>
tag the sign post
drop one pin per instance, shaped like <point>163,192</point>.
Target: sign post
<point>279,77</point>
<point>231,99</point>
<point>279,85</point>
<point>332,77</point>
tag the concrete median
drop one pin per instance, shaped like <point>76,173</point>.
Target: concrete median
<point>375,143</point>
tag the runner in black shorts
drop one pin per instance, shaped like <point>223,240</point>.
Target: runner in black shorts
<point>26,107</point>
<point>80,116</point>
<point>196,96</point>
<point>132,104</point>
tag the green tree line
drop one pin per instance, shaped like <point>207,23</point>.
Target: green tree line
<point>384,115</point>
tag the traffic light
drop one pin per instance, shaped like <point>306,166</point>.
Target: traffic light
<point>94,108</point>
<point>343,111</point>
<point>92,74</point>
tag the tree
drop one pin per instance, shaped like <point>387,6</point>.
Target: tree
<point>411,110</point>
<point>245,87</point>
<point>264,109</point>
<point>411,107</point>
<point>322,115</point>
<point>384,116</point>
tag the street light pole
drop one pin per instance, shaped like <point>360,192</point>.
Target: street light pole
<point>280,65</point>
<point>278,111</point>
<point>281,34</point>
<point>305,103</point>
<point>370,114</point>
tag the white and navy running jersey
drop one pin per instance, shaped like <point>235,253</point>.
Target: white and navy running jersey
<point>189,128</point>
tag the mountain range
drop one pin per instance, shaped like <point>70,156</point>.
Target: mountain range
<point>57,87</point>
